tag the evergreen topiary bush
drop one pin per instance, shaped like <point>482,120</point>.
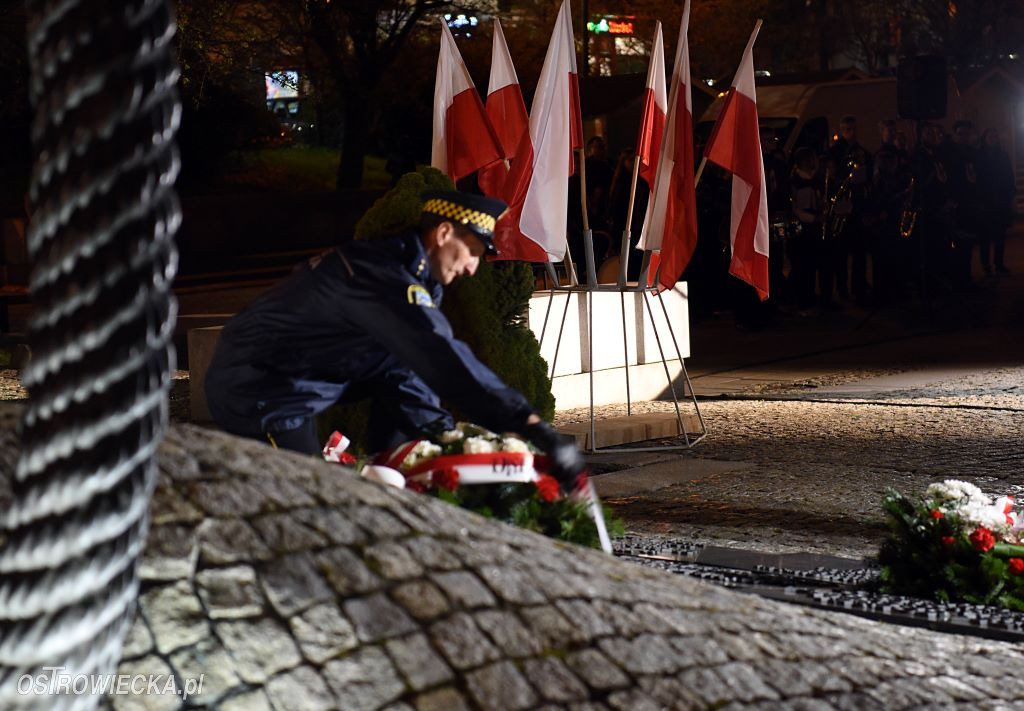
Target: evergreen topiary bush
<point>488,311</point>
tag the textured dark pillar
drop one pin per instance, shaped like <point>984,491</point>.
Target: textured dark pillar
<point>101,244</point>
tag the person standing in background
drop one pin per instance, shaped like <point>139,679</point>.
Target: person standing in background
<point>997,186</point>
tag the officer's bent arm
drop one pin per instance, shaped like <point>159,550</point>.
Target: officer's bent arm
<point>421,337</point>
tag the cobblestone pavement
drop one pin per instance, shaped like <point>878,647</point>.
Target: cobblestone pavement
<point>820,467</point>
<point>290,584</point>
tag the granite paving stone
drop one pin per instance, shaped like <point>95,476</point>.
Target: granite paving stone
<point>364,680</point>
<point>338,529</point>
<point>462,642</point>
<point>453,618</point>
<point>392,561</point>
<point>259,648</point>
<point>255,700</point>
<point>597,670</point>
<point>501,687</point>
<point>376,618</point>
<point>229,593</point>
<point>464,589</point>
<point>447,699</point>
<point>300,689</point>
<point>421,599</point>
<point>346,572</point>
<point>139,640</point>
<point>418,662</point>
<point>284,533</point>
<point>553,680</point>
<point>175,616</point>
<point>506,630</point>
<point>230,540</point>
<point>209,660</point>
<point>293,583</point>
<point>152,668</point>
<point>322,632</point>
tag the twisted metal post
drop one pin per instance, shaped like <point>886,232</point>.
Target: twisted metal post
<point>103,88</point>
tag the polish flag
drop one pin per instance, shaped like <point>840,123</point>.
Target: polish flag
<point>464,140</point>
<point>537,187</point>
<point>652,125</point>
<point>670,226</point>
<point>735,144</point>
<point>507,111</point>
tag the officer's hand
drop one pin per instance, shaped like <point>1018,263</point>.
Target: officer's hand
<point>566,461</point>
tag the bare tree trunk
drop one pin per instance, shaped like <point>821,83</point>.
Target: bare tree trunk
<point>354,134</point>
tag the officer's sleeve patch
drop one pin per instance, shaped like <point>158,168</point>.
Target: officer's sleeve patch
<point>419,296</point>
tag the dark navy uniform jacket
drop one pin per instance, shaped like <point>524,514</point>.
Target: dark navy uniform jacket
<point>362,320</point>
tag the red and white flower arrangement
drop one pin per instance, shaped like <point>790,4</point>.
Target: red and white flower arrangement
<point>954,543</point>
<point>499,476</point>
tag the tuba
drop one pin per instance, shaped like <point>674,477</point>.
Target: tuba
<point>835,220</point>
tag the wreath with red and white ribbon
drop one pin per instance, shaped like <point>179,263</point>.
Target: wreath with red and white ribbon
<point>467,456</point>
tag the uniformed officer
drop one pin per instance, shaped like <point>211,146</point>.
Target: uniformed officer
<point>363,320</point>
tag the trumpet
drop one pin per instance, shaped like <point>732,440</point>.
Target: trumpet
<point>908,215</point>
<point>835,220</point>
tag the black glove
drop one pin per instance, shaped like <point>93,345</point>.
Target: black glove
<point>566,461</point>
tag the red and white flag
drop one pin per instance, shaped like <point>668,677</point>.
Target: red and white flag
<point>652,123</point>
<point>735,144</point>
<point>670,226</point>
<point>537,189</point>
<point>507,111</point>
<point>464,140</point>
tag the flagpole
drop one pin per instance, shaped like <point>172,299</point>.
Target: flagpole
<point>624,246</point>
<point>588,236</point>
<point>700,172</point>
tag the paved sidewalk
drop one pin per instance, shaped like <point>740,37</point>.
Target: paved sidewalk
<point>810,421</point>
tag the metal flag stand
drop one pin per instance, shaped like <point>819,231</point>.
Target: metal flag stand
<point>690,438</point>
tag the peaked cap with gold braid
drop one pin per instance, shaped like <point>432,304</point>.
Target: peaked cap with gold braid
<point>477,213</point>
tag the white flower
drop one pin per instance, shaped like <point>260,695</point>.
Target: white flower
<point>991,517</point>
<point>423,450</point>
<point>477,445</point>
<point>514,444</point>
<point>956,491</point>
<point>449,436</point>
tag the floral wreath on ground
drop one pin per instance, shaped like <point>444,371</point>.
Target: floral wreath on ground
<point>955,544</point>
<point>498,476</point>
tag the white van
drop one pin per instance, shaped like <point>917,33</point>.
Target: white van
<point>808,114</point>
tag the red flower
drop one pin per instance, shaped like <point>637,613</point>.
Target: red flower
<point>548,488</point>
<point>982,539</point>
<point>347,458</point>
<point>1016,566</point>
<point>936,514</point>
<point>447,478</point>
<point>414,485</point>
<point>947,540</point>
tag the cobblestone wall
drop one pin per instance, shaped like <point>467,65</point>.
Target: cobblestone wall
<point>291,585</point>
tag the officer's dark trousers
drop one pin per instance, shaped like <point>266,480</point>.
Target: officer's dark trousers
<point>302,439</point>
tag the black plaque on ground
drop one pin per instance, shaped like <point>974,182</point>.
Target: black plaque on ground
<point>826,582</point>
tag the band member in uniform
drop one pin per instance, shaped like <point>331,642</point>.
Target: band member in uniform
<point>805,242</point>
<point>851,169</point>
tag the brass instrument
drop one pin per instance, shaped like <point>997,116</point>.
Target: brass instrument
<point>835,220</point>
<point>908,215</point>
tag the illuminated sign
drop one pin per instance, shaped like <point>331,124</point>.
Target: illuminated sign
<point>612,25</point>
<point>460,21</point>
<point>282,84</point>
